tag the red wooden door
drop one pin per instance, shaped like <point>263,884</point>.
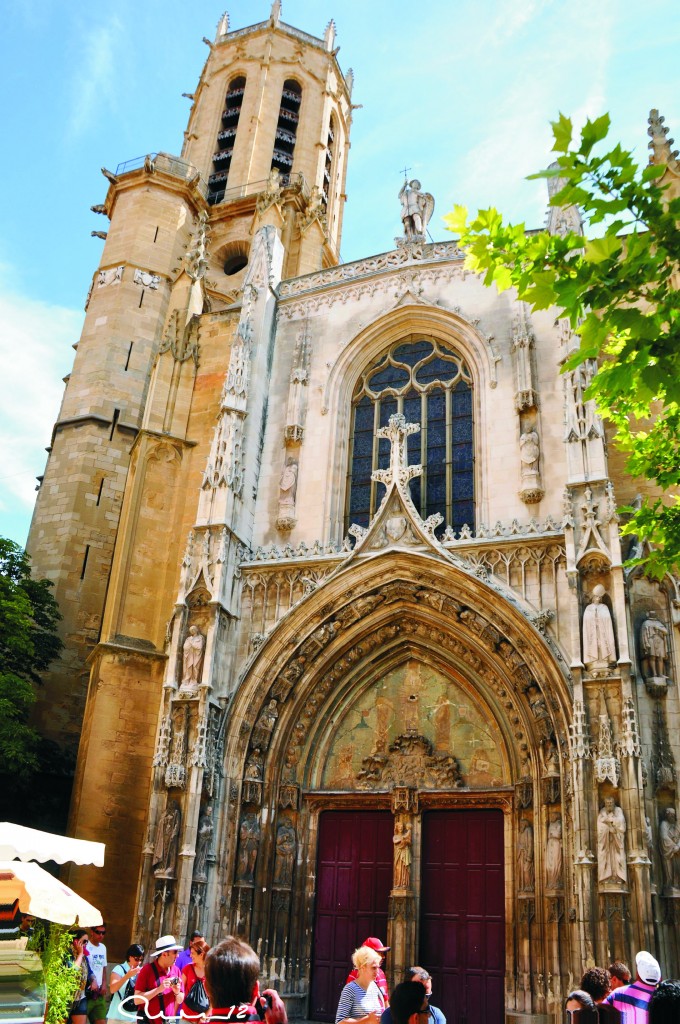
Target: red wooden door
<point>353,882</point>
<point>462,921</point>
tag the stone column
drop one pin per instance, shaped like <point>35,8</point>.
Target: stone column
<point>401,937</point>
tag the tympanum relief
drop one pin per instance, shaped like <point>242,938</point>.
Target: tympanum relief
<point>415,714</point>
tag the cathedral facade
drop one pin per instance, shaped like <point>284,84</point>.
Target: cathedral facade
<point>350,646</point>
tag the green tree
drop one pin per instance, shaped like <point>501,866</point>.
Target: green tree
<point>54,944</point>
<point>28,643</point>
<point>617,286</point>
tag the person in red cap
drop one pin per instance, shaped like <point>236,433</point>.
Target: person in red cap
<point>381,980</point>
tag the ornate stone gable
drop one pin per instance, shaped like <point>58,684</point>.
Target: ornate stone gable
<point>397,522</point>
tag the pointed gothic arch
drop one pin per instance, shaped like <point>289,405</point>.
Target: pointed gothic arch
<point>408,319</point>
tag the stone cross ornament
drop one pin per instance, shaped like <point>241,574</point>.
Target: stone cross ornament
<point>399,471</point>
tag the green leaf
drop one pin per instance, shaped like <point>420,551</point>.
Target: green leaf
<point>592,132</point>
<point>562,133</point>
<point>600,249</point>
<point>456,221</point>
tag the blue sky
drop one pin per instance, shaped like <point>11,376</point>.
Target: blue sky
<point>461,91</point>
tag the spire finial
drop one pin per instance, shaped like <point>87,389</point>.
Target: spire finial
<point>329,35</point>
<point>660,144</point>
<point>275,16</point>
<point>222,26</point>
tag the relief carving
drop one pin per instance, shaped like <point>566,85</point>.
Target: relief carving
<point>264,726</point>
<point>252,779</point>
<point>175,773</point>
<point>410,762</point>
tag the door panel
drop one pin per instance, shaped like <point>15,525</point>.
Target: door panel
<point>462,923</point>
<point>354,878</point>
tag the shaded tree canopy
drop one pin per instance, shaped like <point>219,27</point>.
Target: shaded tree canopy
<point>28,644</point>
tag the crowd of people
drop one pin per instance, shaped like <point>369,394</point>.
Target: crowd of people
<point>200,985</point>
<point>611,995</point>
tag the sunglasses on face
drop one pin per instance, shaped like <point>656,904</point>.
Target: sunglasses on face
<point>99,931</point>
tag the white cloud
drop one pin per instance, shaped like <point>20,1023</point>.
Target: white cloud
<point>35,353</point>
<point>94,78</point>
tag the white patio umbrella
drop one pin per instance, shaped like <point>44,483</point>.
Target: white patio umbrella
<point>42,895</point>
<point>32,844</point>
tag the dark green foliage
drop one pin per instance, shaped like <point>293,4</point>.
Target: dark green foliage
<point>28,643</point>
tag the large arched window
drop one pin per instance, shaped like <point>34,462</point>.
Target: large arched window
<point>431,385</point>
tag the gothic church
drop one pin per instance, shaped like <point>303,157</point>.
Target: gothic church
<point>350,649</point>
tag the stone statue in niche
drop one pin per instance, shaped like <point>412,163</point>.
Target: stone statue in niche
<point>416,209</point>
<point>262,733</point>
<point>669,845</point>
<point>530,480</point>
<point>525,857</point>
<point>192,660</point>
<point>167,841</point>
<point>252,779</point>
<point>599,648</point>
<point>287,491</point>
<point>206,829</point>
<point>286,844</point>
<point>249,842</point>
<point>654,650</point>
<point>402,854</point>
<point>611,853</point>
<point>554,853</point>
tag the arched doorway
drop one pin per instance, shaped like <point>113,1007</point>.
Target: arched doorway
<point>463,709</point>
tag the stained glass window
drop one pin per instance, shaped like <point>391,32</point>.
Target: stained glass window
<point>431,385</point>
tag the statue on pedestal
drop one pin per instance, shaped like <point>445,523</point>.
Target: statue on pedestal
<point>654,650</point>
<point>611,854</point>
<point>554,853</point>
<point>416,209</point>
<point>669,844</point>
<point>599,648</point>
<point>204,837</point>
<point>167,841</point>
<point>525,857</point>
<point>402,855</point>
<point>192,660</point>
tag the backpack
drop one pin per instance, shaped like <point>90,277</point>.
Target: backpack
<point>196,1000</point>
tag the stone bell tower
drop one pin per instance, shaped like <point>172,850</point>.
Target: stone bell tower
<point>269,132</point>
<point>264,157</point>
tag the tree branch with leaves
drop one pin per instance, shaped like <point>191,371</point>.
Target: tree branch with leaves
<point>617,285</point>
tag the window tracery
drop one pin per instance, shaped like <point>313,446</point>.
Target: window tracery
<point>431,385</point>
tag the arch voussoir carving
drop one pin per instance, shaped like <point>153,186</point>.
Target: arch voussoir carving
<point>362,625</point>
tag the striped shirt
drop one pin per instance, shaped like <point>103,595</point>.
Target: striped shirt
<point>632,1001</point>
<point>355,1002</point>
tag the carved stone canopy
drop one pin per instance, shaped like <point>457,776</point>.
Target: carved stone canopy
<point>410,762</point>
